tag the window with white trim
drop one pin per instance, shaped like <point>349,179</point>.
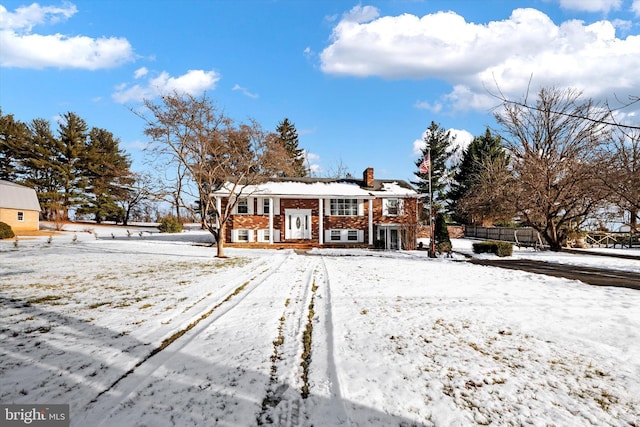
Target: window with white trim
<point>265,234</point>
<point>352,235</point>
<point>243,235</point>
<point>265,206</point>
<point>392,207</point>
<point>335,235</point>
<point>344,207</point>
<point>243,206</point>
<point>20,216</point>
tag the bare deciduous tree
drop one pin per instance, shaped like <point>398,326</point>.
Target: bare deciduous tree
<point>619,162</point>
<point>553,149</point>
<point>214,152</point>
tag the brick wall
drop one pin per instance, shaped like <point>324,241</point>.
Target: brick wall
<point>256,222</point>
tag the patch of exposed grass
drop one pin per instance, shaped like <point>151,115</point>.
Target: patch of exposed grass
<point>99,304</point>
<point>48,299</point>
<point>306,342</point>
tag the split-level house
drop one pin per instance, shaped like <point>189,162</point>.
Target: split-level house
<point>324,212</point>
<point>19,207</point>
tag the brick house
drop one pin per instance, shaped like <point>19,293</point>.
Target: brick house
<point>323,212</point>
<point>19,207</point>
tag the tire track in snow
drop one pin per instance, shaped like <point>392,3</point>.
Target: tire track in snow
<point>334,411</point>
<point>283,404</point>
<point>109,399</point>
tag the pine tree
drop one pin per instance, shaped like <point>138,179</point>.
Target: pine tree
<point>288,137</point>
<point>40,168</point>
<point>13,147</point>
<point>483,151</point>
<point>441,143</point>
<point>105,169</point>
<point>71,145</point>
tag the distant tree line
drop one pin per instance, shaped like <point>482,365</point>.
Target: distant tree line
<point>75,168</point>
<point>71,167</point>
<point>553,165</point>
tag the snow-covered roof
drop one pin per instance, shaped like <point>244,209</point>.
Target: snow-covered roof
<point>14,196</point>
<point>313,188</point>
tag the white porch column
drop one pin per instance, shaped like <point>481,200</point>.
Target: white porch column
<point>370,222</point>
<point>321,221</point>
<point>218,209</point>
<point>271,220</point>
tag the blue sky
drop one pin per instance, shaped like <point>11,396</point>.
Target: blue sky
<point>360,81</point>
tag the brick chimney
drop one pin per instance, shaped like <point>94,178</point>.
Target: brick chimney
<point>367,177</point>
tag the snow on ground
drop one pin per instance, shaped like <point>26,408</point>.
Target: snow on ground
<point>142,328</point>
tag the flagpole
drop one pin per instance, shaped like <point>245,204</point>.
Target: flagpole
<point>432,243</point>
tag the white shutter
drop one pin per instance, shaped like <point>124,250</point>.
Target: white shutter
<point>360,236</point>
<point>260,206</point>
<point>400,206</point>
<point>276,206</point>
<point>360,207</point>
<point>276,235</point>
<point>385,207</point>
<point>250,235</point>
<point>250,204</point>
<point>327,207</point>
<point>234,236</point>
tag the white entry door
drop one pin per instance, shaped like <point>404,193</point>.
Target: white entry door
<point>298,223</point>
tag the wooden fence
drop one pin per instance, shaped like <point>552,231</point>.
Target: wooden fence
<point>524,236</point>
<point>608,240</point>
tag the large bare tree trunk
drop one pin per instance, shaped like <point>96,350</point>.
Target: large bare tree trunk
<point>221,240</point>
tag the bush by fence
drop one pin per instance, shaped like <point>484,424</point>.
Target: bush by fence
<point>501,249</point>
<point>170,224</point>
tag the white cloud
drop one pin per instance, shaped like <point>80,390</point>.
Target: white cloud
<point>311,161</point>
<point>22,49</point>
<point>140,72</point>
<point>245,91</point>
<point>474,57</point>
<point>26,17</point>
<point>635,7</point>
<point>435,107</point>
<point>462,139</point>
<point>591,5</point>
<point>194,82</point>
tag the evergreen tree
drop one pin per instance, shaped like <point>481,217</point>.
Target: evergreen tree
<point>441,143</point>
<point>288,137</point>
<point>71,145</point>
<point>441,234</point>
<point>483,151</point>
<point>105,169</point>
<point>40,167</point>
<point>13,147</point>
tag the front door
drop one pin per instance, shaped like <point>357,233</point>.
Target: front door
<point>297,224</point>
<point>393,239</point>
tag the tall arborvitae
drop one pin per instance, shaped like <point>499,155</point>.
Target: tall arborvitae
<point>483,151</point>
<point>288,137</point>
<point>441,143</point>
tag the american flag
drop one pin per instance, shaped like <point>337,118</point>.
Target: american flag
<point>426,164</point>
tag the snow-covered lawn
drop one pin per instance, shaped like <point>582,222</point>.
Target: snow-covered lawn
<point>152,330</point>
